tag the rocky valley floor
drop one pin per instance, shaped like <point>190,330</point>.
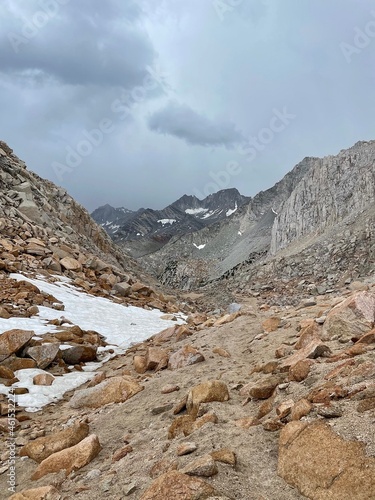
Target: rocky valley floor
<point>266,403</point>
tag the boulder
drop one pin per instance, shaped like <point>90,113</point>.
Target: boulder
<point>14,363</point>
<point>142,289</point>
<point>70,459</point>
<point>173,485</point>
<point>227,318</point>
<point>12,340</point>
<point>271,324</point>
<point>221,352</point>
<point>123,288</point>
<point>4,313</point>
<point>354,317</point>
<point>70,264</point>
<point>284,409</point>
<point>185,448</point>
<point>176,332</point>
<point>121,453</point>
<point>6,372</point>
<point>79,354</point>
<point>225,456</point>
<point>43,379</point>
<point>139,363</point>
<point>300,409</point>
<point>300,370</point>
<point>203,466</point>
<point>43,447</point>
<point>42,493</point>
<point>322,465</point>
<point>262,389</point>
<point>156,358</point>
<point>212,390</point>
<point>307,334</point>
<point>112,390</point>
<point>43,354</point>
<point>313,350</point>
<point>185,356</point>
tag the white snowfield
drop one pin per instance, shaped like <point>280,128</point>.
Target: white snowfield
<point>199,246</point>
<point>120,325</point>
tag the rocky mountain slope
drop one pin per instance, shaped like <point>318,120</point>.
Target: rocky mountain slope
<point>263,403</point>
<point>146,231</point>
<point>270,398</point>
<point>41,224</point>
<point>327,201</point>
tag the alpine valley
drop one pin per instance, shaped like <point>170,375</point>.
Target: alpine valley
<point>220,348</point>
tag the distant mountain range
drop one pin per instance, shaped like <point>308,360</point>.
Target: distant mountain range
<point>318,222</point>
<point>145,231</point>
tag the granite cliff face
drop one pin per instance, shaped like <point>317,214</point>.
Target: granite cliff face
<point>334,188</point>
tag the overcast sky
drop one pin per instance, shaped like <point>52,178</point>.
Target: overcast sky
<point>135,103</point>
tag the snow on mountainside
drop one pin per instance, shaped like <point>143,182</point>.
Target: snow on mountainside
<point>145,231</point>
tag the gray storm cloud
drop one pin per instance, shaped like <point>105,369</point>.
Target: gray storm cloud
<point>183,122</point>
<point>93,45</point>
<point>164,73</point>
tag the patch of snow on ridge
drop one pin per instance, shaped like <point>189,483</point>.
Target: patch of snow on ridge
<point>231,211</point>
<point>199,246</point>
<point>195,211</point>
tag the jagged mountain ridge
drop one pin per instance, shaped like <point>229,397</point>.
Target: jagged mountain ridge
<point>145,231</point>
<point>210,253</point>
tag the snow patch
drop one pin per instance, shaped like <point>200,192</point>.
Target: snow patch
<point>274,211</point>
<point>231,211</point>
<point>208,215</point>
<point>120,325</point>
<point>199,246</point>
<point>195,211</point>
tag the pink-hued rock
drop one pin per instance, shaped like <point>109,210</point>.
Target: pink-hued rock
<point>352,318</point>
<point>185,356</point>
<point>70,459</point>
